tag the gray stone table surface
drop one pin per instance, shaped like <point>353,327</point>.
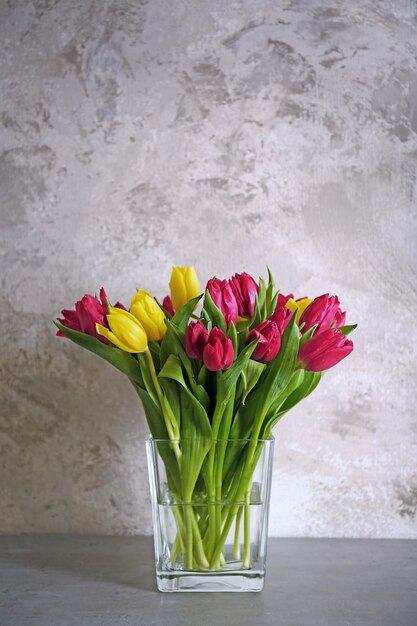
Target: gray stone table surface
<point>64,580</point>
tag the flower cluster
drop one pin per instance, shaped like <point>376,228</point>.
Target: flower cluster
<point>319,320</point>
<point>224,373</point>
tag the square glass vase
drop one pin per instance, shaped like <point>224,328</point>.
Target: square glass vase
<point>210,507</point>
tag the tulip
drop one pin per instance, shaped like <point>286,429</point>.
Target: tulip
<point>148,312</point>
<point>324,350</point>
<point>281,317</point>
<point>223,297</point>
<point>89,311</point>
<point>269,342</point>
<point>126,332</point>
<point>323,312</point>
<point>167,304</point>
<point>196,338</point>
<point>218,353</point>
<point>282,300</point>
<point>184,286</point>
<point>245,291</point>
<point>298,307</point>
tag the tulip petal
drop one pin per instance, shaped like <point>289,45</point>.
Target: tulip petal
<point>177,289</point>
<point>191,283</point>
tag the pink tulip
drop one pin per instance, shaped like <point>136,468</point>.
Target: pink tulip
<point>196,338</point>
<point>323,311</point>
<point>245,291</point>
<point>218,353</point>
<point>282,300</point>
<point>324,350</point>
<point>89,311</point>
<point>269,341</point>
<point>281,317</point>
<point>224,298</point>
<point>167,304</point>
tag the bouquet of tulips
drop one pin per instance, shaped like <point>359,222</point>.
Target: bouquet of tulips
<point>226,373</point>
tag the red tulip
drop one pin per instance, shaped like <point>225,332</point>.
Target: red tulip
<point>224,298</point>
<point>324,350</point>
<point>196,338</point>
<point>167,304</point>
<point>269,342</point>
<point>218,353</point>
<point>281,317</point>
<point>89,311</point>
<point>245,291</point>
<point>323,311</point>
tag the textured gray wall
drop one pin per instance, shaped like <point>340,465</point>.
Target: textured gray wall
<point>136,135</point>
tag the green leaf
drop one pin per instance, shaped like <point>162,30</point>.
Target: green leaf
<point>228,379</point>
<point>123,361</point>
<point>182,316</point>
<point>309,383</point>
<point>232,334</point>
<point>261,294</point>
<point>215,315</point>
<point>308,335</point>
<point>177,345</point>
<point>271,296</point>
<point>252,373</point>
<point>155,348</point>
<point>147,378</point>
<point>273,382</point>
<point>345,330</point>
<point>195,443</point>
<point>156,425</point>
<point>173,370</point>
<point>295,382</point>
<point>272,305</point>
<point>180,320</point>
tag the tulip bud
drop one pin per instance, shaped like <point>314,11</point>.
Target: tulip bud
<point>269,342</point>
<point>324,350</point>
<point>167,304</point>
<point>323,311</point>
<point>196,338</point>
<point>245,291</point>
<point>223,297</point>
<point>218,353</point>
<point>126,332</point>
<point>184,286</point>
<point>281,317</point>
<point>89,311</point>
<point>148,312</point>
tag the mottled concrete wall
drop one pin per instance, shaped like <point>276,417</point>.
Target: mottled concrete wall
<point>135,135</point>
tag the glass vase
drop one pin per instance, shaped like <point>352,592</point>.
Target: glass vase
<point>210,506</point>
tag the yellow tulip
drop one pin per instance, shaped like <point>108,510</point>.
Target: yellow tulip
<point>298,307</point>
<point>125,331</point>
<point>183,285</point>
<point>146,309</point>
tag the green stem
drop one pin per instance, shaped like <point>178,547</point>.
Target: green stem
<point>236,542</point>
<point>200,555</point>
<point>169,418</point>
<point>188,553</point>
<point>246,532</point>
